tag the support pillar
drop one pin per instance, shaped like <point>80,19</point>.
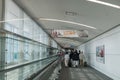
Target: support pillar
<point>2,40</point>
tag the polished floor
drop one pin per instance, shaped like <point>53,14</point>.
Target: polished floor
<point>85,73</point>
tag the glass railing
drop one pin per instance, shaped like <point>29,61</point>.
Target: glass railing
<point>26,70</point>
<point>15,51</point>
<point>21,57</point>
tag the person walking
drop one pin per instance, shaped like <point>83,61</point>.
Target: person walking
<point>66,59</point>
<point>81,57</point>
<point>75,58</point>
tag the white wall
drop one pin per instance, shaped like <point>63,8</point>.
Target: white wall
<point>111,41</point>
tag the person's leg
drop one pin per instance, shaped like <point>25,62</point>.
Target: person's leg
<point>73,63</point>
<point>77,62</point>
<point>81,62</point>
<point>65,62</point>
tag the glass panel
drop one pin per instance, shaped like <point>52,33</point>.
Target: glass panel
<point>19,50</point>
<point>26,71</point>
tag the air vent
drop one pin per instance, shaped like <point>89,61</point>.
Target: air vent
<point>71,13</point>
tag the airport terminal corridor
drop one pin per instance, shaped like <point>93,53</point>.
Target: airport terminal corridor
<point>37,35</point>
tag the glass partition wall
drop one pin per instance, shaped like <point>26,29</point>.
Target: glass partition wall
<point>23,42</point>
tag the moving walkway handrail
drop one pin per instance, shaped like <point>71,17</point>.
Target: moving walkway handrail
<point>41,71</point>
<point>24,64</point>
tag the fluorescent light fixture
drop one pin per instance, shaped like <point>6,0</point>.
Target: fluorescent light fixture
<point>105,3</point>
<point>57,20</point>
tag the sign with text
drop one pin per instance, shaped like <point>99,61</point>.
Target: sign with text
<point>64,33</point>
<point>69,33</point>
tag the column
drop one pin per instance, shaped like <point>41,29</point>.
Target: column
<point>2,40</point>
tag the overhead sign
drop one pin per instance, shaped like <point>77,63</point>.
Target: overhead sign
<point>69,33</point>
<point>64,33</point>
<point>83,33</point>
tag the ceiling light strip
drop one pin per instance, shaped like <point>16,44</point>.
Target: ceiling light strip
<point>105,3</point>
<point>13,20</point>
<point>57,20</point>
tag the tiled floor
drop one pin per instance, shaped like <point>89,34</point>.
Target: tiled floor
<point>86,73</point>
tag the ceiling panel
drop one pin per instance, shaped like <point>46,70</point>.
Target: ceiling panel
<point>99,16</point>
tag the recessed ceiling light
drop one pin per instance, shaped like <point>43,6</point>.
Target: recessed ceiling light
<point>57,20</point>
<point>105,3</point>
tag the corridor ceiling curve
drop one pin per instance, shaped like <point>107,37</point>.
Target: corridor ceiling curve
<point>68,13</point>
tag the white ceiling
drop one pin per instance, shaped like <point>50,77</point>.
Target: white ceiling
<point>99,16</point>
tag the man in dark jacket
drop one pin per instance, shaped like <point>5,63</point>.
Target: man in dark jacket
<point>75,58</point>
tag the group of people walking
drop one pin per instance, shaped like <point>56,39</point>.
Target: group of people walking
<point>73,58</point>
